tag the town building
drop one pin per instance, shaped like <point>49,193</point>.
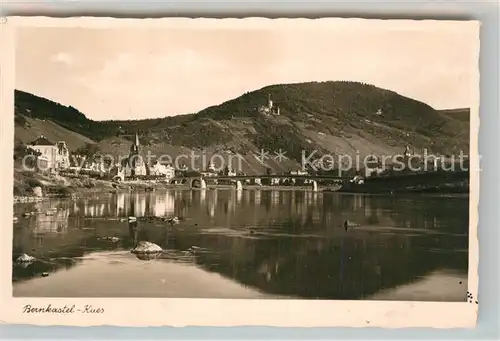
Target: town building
<point>373,167</point>
<point>299,172</point>
<point>228,171</point>
<point>62,155</point>
<point>158,169</point>
<point>52,156</point>
<point>358,180</point>
<point>210,170</point>
<point>47,160</point>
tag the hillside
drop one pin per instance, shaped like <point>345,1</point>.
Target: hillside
<point>462,114</point>
<point>330,117</point>
<point>32,128</point>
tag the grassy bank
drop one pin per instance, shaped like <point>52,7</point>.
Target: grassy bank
<point>25,184</point>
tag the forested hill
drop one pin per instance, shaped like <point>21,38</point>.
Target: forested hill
<point>330,117</point>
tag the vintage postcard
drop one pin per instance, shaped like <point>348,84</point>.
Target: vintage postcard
<point>231,172</point>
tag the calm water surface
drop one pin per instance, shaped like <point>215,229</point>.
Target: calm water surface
<point>252,244</point>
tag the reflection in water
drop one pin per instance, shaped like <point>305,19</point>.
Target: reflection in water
<point>212,203</point>
<point>275,197</point>
<point>133,232</point>
<point>203,196</point>
<point>57,221</point>
<point>120,205</point>
<point>282,243</point>
<point>140,205</point>
<point>257,196</point>
<point>239,196</point>
<point>164,205</point>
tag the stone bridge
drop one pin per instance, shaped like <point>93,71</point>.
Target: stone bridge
<point>257,179</point>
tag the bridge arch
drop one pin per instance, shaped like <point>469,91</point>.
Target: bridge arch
<point>201,181</point>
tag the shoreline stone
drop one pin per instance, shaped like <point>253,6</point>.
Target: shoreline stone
<point>25,258</point>
<point>146,247</point>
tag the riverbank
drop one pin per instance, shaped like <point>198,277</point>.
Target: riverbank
<point>32,187</point>
<point>435,183</point>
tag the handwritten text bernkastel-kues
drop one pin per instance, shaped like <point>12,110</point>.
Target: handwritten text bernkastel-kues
<point>86,309</point>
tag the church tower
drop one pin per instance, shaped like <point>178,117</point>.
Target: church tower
<point>134,148</point>
<point>136,162</point>
<point>269,102</point>
<point>137,140</point>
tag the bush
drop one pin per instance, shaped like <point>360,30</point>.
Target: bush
<point>63,191</point>
<point>32,182</point>
<point>20,120</point>
<point>20,190</point>
<point>88,184</point>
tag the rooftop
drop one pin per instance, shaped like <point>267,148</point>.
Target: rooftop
<point>42,141</point>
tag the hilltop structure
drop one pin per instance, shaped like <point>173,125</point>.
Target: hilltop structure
<point>269,109</point>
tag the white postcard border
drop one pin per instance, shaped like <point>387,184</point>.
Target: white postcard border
<point>221,312</point>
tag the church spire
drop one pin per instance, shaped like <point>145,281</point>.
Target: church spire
<point>136,140</point>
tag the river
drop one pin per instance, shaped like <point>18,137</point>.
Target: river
<point>249,244</point>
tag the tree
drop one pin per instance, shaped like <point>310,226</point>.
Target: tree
<point>21,150</point>
<point>89,149</point>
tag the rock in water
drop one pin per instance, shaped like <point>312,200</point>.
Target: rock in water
<point>349,224</point>
<point>174,220</point>
<point>24,258</point>
<point>147,247</point>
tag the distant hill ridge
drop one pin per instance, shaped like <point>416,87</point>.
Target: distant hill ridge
<point>328,117</point>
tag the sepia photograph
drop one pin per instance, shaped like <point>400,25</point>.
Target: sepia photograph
<point>269,160</point>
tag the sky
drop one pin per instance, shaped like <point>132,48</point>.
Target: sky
<point>136,73</point>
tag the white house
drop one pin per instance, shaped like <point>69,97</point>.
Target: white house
<point>358,180</point>
<point>48,151</point>
<point>299,172</point>
<point>53,156</point>
<point>159,169</point>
